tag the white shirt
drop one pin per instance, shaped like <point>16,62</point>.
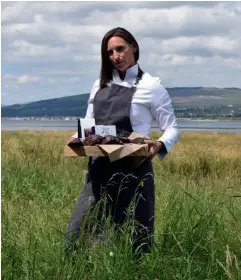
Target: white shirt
<point>150,102</point>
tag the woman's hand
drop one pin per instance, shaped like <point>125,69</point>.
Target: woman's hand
<point>154,147</point>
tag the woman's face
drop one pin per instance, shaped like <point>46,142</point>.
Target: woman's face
<point>121,53</point>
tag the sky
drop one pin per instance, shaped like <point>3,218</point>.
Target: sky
<point>52,49</point>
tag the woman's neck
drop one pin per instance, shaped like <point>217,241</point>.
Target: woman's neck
<point>122,75</point>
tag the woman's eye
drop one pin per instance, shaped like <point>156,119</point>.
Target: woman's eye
<point>120,49</point>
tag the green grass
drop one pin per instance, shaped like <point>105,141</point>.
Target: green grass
<point>198,212</point>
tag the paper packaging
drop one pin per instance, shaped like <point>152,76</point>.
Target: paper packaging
<point>84,127</point>
<point>114,152</point>
<point>87,127</point>
<point>104,130</point>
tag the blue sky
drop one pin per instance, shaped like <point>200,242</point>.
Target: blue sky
<point>52,49</point>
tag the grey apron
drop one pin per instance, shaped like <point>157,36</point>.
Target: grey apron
<point>112,107</point>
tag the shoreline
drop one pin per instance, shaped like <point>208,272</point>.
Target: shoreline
<point>75,118</point>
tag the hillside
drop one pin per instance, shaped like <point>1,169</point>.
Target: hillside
<point>65,106</point>
<point>76,105</point>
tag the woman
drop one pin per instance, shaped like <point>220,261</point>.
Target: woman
<point>127,97</point>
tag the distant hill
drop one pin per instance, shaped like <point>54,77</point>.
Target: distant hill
<point>188,97</point>
<point>65,106</point>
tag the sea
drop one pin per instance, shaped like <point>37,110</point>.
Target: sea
<point>211,126</point>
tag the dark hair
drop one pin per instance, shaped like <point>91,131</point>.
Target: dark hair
<point>106,65</point>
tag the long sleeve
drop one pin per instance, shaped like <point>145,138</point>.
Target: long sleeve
<point>162,110</point>
<point>90,108</point>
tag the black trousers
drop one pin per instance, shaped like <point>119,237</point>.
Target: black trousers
<point>123,187</point>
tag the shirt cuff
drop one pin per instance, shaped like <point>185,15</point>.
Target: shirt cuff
<point>169,138</point>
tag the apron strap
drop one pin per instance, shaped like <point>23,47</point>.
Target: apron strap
<point>139,76</point>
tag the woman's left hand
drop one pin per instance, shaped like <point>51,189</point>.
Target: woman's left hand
<point>154,147</point>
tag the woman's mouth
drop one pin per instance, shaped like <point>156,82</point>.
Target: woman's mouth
<point>118,64</point>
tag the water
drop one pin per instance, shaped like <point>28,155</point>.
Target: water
<point>213,126</point>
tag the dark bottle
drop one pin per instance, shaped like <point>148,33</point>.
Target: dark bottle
<point>79,129</point>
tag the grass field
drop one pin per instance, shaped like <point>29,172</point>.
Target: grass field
<point>198,212</point>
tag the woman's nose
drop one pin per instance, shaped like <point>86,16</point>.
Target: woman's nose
<point>116,56</point>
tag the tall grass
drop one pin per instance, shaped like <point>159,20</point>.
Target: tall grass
<point>198,212</point>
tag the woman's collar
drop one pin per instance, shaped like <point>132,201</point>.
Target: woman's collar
<point>131,72</point>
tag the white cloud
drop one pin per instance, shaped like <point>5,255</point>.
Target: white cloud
<point>23,79</point>
<point>86,58</point>
<point>51,81</point>
<point>182,60</point>
<point>195,46</point>
<point>53,48</point>
<point>25,49</point>
<point>9,77</point>
<point>74,79</point>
